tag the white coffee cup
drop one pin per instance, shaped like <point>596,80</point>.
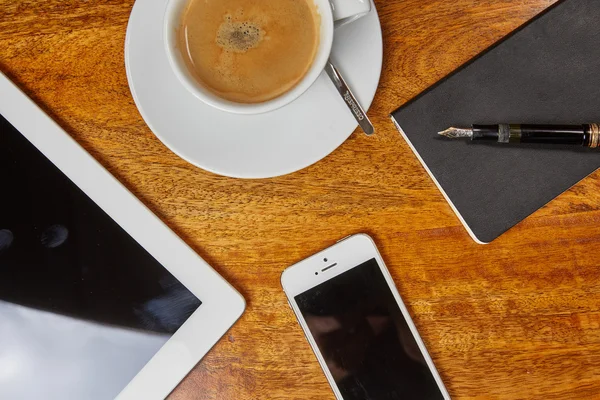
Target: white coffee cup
<point>334,13</point>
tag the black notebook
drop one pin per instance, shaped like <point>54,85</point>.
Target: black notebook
<point>547,72</point>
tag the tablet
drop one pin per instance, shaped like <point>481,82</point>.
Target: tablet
<point>98,298</point>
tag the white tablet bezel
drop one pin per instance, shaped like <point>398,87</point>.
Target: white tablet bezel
<point>221,305</point>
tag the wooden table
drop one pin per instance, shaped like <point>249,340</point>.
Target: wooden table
<point>519,318</point>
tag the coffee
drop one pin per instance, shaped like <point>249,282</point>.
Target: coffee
<point>249,51</point>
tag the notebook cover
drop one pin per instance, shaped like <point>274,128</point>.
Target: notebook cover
<point>546,72</point>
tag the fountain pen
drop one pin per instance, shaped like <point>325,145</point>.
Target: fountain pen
<point>587,135</point>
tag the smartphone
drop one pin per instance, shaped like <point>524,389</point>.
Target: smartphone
<point>358,327</point>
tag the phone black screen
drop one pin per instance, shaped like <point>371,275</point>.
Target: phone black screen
<point>364,338</point>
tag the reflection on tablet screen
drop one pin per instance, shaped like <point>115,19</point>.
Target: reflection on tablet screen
<point>83,307</point>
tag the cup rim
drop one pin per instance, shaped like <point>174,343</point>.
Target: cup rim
<point>172,18</point>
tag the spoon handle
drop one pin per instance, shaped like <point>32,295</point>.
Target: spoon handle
<point>353,104</point>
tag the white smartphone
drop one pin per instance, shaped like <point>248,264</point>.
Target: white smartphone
<point>358,327</point>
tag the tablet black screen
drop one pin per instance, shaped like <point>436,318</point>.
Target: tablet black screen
<point>83,307</point>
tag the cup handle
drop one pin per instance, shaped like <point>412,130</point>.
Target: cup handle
<point>346,11</point>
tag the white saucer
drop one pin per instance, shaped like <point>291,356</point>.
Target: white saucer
<point>249,146</point>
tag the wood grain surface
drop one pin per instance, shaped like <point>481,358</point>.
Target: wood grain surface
<point>516,319</point>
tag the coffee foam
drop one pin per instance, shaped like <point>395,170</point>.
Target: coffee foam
<point>250,51</point>
<point>239,37</point>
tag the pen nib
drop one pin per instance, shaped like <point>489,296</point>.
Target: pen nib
<point>457,133</point>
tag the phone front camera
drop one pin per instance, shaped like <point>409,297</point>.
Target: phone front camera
<point>316,273</point>
<point>324,260</point>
